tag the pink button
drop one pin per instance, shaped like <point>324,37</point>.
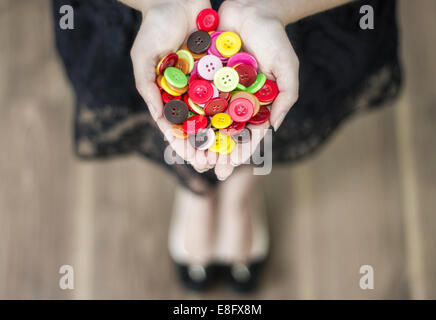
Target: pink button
<point>195,69</point>
<point>208,66</point>
<point>242,57</point>
<point>212,49</point>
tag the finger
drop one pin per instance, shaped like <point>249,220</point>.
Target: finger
<point>243,151</point>
<point>286,74</point>
<point>223,168</point>
<point>200,162</point>
<point>212,158</point>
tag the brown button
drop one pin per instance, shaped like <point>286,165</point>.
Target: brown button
<point>243,136</point>
<point>199,41</point>
<point>176,111</point>
<point>183,65</point>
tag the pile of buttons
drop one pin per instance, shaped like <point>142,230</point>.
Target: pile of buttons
<point>211,90</point>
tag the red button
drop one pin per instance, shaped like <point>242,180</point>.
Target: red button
<point>193,77</point>
<point>215,106</point>
<point>225,95</point>
<point>268,92</point>
<point>169,61</point>
<point>166,97</point>
<point>208,20</point>
<point>234,128</point>
<point>185,100</point>
<point>261,117</point>
<point>247,74</point>
<point>200,91</point>
<point>241,110</point>
<point>195,124</point>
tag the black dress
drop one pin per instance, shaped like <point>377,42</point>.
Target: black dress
<point>343,70</point>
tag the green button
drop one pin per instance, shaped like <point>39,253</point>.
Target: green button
<point>175,77</point>
<point>195,107</point>
<point>260,81</point>
<point>226,79</point>
<point>191,114</point>
<point>241,87</point>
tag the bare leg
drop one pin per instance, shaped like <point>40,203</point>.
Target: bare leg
<point>236,214</point>
<point>192,228</point>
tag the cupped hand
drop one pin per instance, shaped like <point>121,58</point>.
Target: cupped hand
<point>165,25</point>
<point>264,36</point>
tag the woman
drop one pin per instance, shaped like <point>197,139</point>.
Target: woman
<point>318,54</point>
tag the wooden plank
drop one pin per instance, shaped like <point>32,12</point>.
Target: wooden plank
<point>36,164</point>
<point>417,141</point>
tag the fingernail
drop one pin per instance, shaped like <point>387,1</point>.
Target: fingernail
<point>279,121</point>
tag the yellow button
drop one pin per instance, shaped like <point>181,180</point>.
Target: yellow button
<point>221,144</point>
<point>164,85</point>
<point>230,147</point>
<point>228,44</point>
<point>221,120</point>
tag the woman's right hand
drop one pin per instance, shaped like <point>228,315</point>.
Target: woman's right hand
<point>165,25</point>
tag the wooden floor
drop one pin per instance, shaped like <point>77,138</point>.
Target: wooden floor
<point>368,198</point>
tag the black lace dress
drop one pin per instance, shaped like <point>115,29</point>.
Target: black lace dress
<point>343,70</point>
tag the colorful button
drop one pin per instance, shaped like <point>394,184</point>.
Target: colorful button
<point>200,91</point>
<point>166,97</point>
<point>230,147</point>
<point>182,65</point>
<point>213,50</point>
<point>208,66</point>
<point>179,91</point>
<point>241,110</point>
<point>247,74</point>
<point>268,92</point>
<point>243,136</point>
<point>165,86</point>
<point>195,124</point>
<point>202,140</point>
<point>199,42</point>
<point>175,77</point>
<point>226,79</point>
<point>249,96</point>
<point>225,95</point>
<point>221,144</point>
<point>176,111</point>
<point>186,55</point>
<point>214,106</point>
<point>221,120</point>
<point>260,81</point>
<point>177,131</point>
<point>168,61</point>
<point>261,117</point>
<point>228,44</point>
<point>196,56</point>
<point>234,128</point>
<point>195,107</point>
<point>242,57</point>
<point>193,77</point>
<point>207,20</point>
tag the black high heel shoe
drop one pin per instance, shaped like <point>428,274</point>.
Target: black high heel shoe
<point>244,277</point>
<point>196,277</point>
